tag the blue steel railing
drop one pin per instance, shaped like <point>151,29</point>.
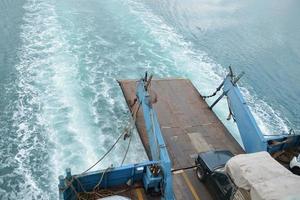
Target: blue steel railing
<point>251,134</point>
<point>252,137</point>
<point>71,185</point>
<point>157,145</point>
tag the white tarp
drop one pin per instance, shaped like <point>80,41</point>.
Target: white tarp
<point>263,177</point>
<point>114,197</point>
<point>281,188</point>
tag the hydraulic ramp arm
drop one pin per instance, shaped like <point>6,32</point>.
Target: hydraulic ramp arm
<point>155,174</point>
<point>252,137</point>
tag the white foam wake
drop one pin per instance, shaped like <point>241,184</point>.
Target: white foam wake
<point>70,109</point>
<point>205,73</point>
<point>67,113</point>
<point>51,116</point>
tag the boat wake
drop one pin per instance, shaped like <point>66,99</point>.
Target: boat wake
<point>205,73</point>
<point>69,108</point>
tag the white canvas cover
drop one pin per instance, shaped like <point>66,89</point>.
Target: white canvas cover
<point>115,197</point>
<point>283,188</point>
<point>263,177</point>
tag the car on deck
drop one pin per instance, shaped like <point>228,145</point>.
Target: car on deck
<point>210,170</point>
<point>246,176</point>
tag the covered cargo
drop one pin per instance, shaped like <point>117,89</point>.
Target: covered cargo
<point>263,177</point>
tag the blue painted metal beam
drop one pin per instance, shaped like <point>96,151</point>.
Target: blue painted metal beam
<point>114,177</point>
<point>251,134</point>
<point>283,141</point>
<point>135,172</point>
<point>252,137</point>
<point>157,145</point>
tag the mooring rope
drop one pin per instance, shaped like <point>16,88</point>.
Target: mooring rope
<point>102,176</point>
<point>215,93</point>
<point>133,121</point>
<point>127,129</point>
<point>109,150</point>
<point>126,133</point>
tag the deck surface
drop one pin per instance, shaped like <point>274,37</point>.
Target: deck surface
<point>188,127</point>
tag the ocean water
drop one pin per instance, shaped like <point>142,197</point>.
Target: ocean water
<point>60,104</point>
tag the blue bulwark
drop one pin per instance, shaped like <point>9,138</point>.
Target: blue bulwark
<point>157,145</point>
<point>253,138</point>
<point>71,185</point>
<point>154,174</point>
<point>251,134</point>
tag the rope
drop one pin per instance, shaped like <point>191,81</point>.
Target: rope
<point>126,131</point>
<point>125,155</point>
<point>134,115</point>
<point>215,93</point>
<point>230,111</point>
<point>101,178</point>
<point>70,184</point>
<point>109,150</point>
<point>126,134</point>
<point>81,186</point>
<point>133,121</point>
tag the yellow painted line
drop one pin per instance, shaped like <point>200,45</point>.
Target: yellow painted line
<point>178,172</point>
<point>191,187</point>
<point>139,194</point>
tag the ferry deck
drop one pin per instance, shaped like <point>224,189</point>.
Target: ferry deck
<point>188,126</point>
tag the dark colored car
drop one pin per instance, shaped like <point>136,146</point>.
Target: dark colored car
<point>210,170</point>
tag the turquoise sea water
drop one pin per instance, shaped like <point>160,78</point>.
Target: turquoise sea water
<point>61,106</point>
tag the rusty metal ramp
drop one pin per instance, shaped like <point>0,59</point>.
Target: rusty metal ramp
<point>188,127</point>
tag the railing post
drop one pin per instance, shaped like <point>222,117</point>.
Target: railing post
<point>61,186</point>
<point>68,174</point>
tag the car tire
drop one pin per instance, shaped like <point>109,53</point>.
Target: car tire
<point>296,170</point>
<point>200,173</point>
